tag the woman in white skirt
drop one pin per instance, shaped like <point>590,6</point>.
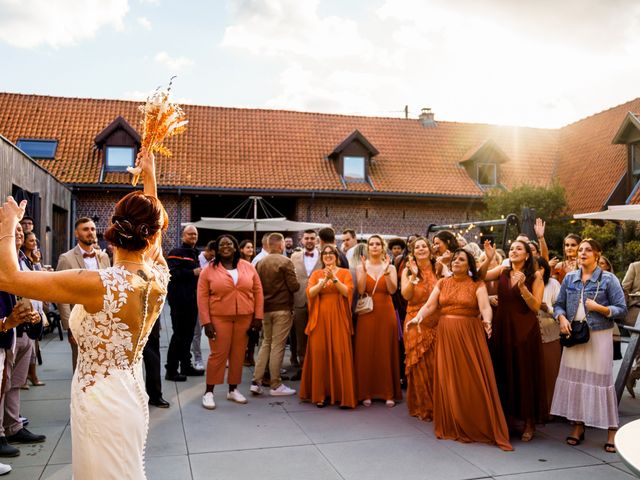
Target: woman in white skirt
<point>584,392</point>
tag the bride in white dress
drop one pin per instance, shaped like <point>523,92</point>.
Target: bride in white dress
<point>114,312</point>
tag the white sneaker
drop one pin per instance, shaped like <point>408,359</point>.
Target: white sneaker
<point>4,469</point>
<point>198,366</point>
<point>256,389</point>
<point>208,402</point>
<point>282,391</point>
<point>236,396</point>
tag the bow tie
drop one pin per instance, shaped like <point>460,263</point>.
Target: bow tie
<point>89,255</point>
<point>308,254</point>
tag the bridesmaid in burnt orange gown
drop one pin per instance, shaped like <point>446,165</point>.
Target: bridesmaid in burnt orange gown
<point>418,280</point>
<point>466,404</point>
<point>376,359</point>
<point>328,364</point>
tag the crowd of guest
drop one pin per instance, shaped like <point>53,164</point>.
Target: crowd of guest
<point>471,332</point>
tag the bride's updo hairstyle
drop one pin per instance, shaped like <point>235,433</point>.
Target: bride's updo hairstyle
<point>136,221</point>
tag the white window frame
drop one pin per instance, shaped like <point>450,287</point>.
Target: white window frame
<point>118,168</point>
<point>347,178</point>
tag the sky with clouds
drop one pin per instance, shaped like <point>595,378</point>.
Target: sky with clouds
<point>542,63</point>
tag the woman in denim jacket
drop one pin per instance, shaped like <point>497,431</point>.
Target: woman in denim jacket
<point>584,390</point>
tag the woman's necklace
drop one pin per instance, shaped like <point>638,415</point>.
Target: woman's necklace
<point>129,261</point>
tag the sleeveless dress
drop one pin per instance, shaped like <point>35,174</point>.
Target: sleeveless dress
<point>376,359</point>
<point>327,371</point>
<point>518,356</point>
<point>109,409</point>
<point>466,404</point>
<point>419,350</point>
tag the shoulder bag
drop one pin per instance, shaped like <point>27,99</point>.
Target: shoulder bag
<point>365,302</point>
<point>579,328</point>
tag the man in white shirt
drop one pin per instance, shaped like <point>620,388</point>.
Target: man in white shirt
<point>82,256</point>
<point>305,262</point>
<point>349,242</point>
<point>265,250</point>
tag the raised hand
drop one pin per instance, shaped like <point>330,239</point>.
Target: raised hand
<point>10,214</point>
<point>363,262</point>
<point>539,228</point>
<point>413,266</point>
<point>489,251</point>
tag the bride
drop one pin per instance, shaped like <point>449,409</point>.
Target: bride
<point>113,315</point>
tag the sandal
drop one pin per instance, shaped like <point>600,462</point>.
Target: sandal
<point>367,402</point>
<point>574,441</point>
<point>609,448</point>
<point>390,403</point>
<point>320,405</point>
<point>37,383</point>
<point>527,436</point>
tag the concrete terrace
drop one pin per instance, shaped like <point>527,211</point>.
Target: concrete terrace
<point>280,438</point>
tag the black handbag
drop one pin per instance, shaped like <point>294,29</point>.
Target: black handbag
<point>579,328</point>
<point>579,334</point>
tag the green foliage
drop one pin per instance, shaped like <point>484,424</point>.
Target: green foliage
<point>605,234</point>
<point>548,202</point>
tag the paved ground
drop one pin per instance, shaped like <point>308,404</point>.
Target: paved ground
<point>281,438</point>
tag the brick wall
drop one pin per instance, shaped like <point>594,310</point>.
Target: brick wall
<point>395,217</point>
<point>90,204</point>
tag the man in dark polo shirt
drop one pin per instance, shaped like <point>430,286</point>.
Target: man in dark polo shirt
<point>185,269</point>
<point>279,283</point>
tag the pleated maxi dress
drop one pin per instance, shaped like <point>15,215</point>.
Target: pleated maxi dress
<point>327,373</point>
<point>466,404</point>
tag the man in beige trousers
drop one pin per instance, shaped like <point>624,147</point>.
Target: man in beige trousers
<point>279,283</point>
<point>83,256</point>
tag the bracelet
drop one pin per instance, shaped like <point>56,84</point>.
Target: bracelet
<point>7,236</point>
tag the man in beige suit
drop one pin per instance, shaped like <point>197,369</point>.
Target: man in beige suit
<point>84,256</point>
<point>305,262</point>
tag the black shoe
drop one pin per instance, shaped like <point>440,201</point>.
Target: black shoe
<point>159,402</point>
<point>192,372</point>
<point>7,450</point>
<point>297,376</point>
<point>25,436</point>
<point>175,377</point>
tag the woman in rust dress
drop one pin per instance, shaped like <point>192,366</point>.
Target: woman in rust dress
<point>418,280</point>
<point>569,262</point>
<point>328,363</point>
<point>376,365</point>
<point>466,404</point>
<point>518,358</point>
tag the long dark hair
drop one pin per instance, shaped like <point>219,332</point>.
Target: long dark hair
<point>542,263</point>
<point>530,264</point>
<point>473,269</point>
<point>236,253</point>
<point>449,239</point>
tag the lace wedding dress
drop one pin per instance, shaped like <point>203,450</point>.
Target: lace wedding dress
<point>109,409</point>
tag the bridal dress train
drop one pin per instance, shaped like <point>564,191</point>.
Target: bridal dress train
<point>109,409</point>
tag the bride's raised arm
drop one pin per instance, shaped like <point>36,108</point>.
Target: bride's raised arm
<point>147,162</point>
<point>69,286</point>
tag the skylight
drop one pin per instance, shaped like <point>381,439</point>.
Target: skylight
<point>38,148</point>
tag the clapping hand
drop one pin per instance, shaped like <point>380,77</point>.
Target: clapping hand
<point>363,263</point>
<point>21,313</point>
<point>413,266</point>
<point>520,278</point>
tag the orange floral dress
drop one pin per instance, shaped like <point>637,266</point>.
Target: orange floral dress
<point>420,351</point>
<point>466,404</point>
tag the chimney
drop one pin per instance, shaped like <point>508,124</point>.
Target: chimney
<point>426,118</point>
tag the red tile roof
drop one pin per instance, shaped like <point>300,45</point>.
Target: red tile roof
<point>589,164</point>
<point>231,148</point>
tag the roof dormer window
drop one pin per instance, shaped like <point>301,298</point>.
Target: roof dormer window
<point>482,163</point>
<point>119,143</point>
<point>353,158</point>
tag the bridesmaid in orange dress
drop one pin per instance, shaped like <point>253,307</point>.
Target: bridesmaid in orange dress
<point>376,365</point>
<point>418,280</point>
<point>466,404</point>
<point>328,364</point>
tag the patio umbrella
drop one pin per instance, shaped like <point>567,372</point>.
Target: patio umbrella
<point>614,212</point>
